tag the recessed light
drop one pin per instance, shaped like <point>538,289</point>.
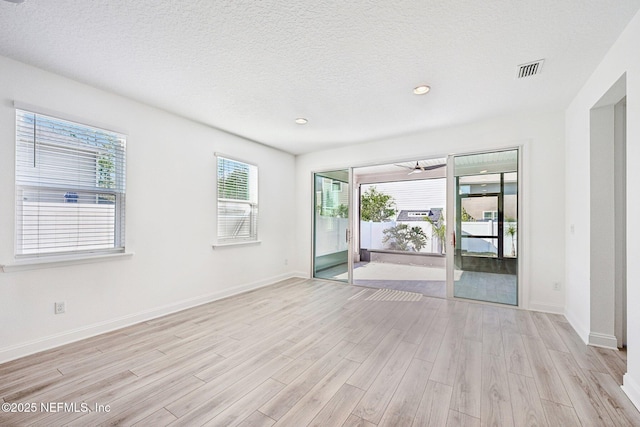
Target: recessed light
<point>484,171</point>
<point>421,90</point>
<point>301,121</point>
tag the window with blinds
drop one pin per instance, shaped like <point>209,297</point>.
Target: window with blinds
<point>237,201</point>
<point>70,187</point>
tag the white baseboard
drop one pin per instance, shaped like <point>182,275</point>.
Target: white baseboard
<point>41,344</point>
<point>631,389</point>
<point>592,338</point>
<point>603,340</point>
<point>582,331</point>
<point>301,274</point>
<point>546,308</point>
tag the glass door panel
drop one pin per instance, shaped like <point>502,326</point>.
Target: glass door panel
<point>485,214</point>
<point>331,225</point>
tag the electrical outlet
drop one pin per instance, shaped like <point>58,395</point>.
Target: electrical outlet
<point>59,307</point>
<point>556,286</point>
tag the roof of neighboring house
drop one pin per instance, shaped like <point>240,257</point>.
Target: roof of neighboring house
<point>419,215</point>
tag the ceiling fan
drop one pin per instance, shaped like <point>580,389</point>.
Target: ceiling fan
<point>418,168</point>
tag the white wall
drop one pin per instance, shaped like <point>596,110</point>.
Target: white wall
<point>414,195</point>
<point>622,58</point>
<point>170,160</point>
<point>541,231</point>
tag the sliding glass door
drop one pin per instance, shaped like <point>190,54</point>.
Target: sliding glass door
<point>482,226</point>
<point>485,227</point>
<point>331,225</point>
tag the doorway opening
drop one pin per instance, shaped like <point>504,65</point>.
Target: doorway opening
<point>399,241</point>
<point>444,227</point>
<point>608,264</point>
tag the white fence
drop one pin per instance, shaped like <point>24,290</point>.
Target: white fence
<point>331,235</point>
<point>59,227</point>
<point>488,245</point>
<point>372,234</point>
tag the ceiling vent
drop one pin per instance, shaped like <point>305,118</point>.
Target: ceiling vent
<point>530,69</point>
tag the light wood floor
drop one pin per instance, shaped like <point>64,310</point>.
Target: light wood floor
<point>306,352</point>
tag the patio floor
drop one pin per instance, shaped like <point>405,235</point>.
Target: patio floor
<point>431,281</point>
<point>428,281</point>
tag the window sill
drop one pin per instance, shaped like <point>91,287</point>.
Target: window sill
<point>61,261</point>
<point>226,245</point>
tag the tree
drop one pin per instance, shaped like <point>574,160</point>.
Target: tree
<point>417,238</point>
<point>376,206</point>
<point>234,185</point>
<point>403,238</point>
<point>466,217</point>
<point>342,211</point>
<point>511,231</point>
<point>106,177</point>
<point>439,230</point>
<point>106,171</point>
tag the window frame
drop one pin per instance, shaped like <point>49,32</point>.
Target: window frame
<point>252,201</point>
<point>494,215</point>
<point>22,252</point>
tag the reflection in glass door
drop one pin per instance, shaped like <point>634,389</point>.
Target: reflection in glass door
<point>331,225</point>
<point>485,266</point>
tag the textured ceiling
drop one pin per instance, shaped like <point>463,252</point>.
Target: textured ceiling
<point>251,67</point>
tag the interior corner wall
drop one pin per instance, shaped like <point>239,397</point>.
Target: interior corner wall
<point>602,227</point>
<point>542,232</point>
<point>170,220</point>
<point>621,59</point>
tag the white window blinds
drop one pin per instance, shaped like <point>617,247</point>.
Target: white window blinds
<point>70,187</point>
<point>237,201</point>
